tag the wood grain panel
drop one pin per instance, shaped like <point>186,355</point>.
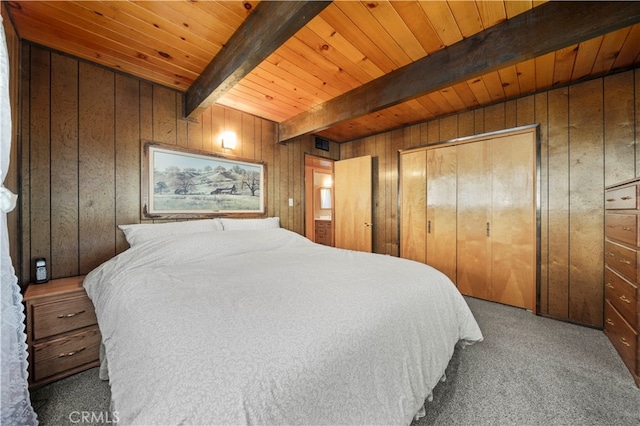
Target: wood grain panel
<point>413,205</point>
<point>586,200</point>
<point>619,143</point>
<point>127,155</point>
<point>96,166</point>
<point>64,166</point>
<point>441,235</point>
<point>24,271</point>
<point>164,115</point>
<point>558,203</point>
<point>39,156</point>
<point>513,226</point>
<point>474,191</point>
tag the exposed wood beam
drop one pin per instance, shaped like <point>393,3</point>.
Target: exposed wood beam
<point>543,29</point>
<point>269,25</point>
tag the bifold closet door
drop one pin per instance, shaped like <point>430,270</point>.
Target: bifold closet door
<point>441,209</point>
<point>474,212</point>
<point>513,224</point>
<point>413,184</point>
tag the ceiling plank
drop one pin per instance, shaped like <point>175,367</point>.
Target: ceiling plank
<point>252,43</point>
<point>544,29</point>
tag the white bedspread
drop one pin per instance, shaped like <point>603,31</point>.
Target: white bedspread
<point>266,327</point>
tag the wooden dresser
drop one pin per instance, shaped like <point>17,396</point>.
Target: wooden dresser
<point>62,330</point>
<point>622,246</point>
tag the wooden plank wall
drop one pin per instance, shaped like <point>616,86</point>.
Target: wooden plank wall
<point>588,140</point>
<point>82,129</point>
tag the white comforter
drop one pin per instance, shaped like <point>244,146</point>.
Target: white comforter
<point>266,327</point>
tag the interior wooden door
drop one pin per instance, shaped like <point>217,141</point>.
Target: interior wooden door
<point>513,224</point>
<point>474,200</point>
<point>413,203</point>
<point>442,210</point>
<point>353,206</point>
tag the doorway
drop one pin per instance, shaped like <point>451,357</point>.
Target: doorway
<point>319,199</point>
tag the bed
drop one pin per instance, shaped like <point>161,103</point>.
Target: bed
<point>227,321</point>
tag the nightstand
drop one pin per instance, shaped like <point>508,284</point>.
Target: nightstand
<point>62,330</point>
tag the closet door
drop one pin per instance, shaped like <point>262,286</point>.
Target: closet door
<point>441,209</point>
<point>413,184</point>
<point>474,212</point>
<point>513,226</point>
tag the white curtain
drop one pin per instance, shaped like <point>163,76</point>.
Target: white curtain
<point>15,406</point>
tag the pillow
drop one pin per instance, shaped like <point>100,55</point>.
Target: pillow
<point>143,232</point>
<point>250,224</point>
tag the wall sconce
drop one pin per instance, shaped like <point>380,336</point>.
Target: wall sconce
<point>229,140</point>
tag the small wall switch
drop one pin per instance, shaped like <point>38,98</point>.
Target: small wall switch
<point>290,202</point>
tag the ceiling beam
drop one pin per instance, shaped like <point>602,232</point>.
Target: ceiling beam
<point>269,25</point>
<point>543,29</point>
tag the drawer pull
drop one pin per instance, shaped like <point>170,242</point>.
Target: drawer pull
<point>624,299</point>
<point>64,355</point>
<point>624,341</point>
<point>610,322</point>
<point>612,254</point>
<point>625,261</point>
<point>610,200</point>
<point>628,197</point>
<point>625,228</point>
<point>71,315</point>
<point>609,285</point>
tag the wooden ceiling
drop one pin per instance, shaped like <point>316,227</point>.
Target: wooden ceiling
<point>342,69</point>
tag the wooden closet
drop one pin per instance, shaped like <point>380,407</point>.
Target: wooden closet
<point>468,207</point>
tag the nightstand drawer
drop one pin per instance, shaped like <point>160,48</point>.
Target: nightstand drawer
<point>622,294</point>
<point>57,317</point>
<point>622,335</point>
<point>65,353</point>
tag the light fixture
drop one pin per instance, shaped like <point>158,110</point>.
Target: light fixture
<point>229,140</point>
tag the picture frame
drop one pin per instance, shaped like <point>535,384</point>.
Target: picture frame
<point>185,183</point>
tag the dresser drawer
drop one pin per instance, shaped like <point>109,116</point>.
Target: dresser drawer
<point>622,227</point>
<point>621,198</point>
<point>60,316</point>
<point>621,294</point>
<point>623,337</point>
<point>622,260</point>
<point>65,353</point>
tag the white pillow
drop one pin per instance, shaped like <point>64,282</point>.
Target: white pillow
<point>250,224</point>
<point>143,232</point>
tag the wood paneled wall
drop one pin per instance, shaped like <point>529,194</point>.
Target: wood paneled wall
<point>81,133</point>
<point>588,134</point>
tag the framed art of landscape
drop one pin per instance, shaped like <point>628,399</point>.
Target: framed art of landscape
<point>185,183</point>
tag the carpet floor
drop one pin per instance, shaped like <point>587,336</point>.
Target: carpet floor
<point>529,370</point>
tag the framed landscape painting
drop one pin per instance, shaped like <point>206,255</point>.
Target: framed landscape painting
<point>184,183</point>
